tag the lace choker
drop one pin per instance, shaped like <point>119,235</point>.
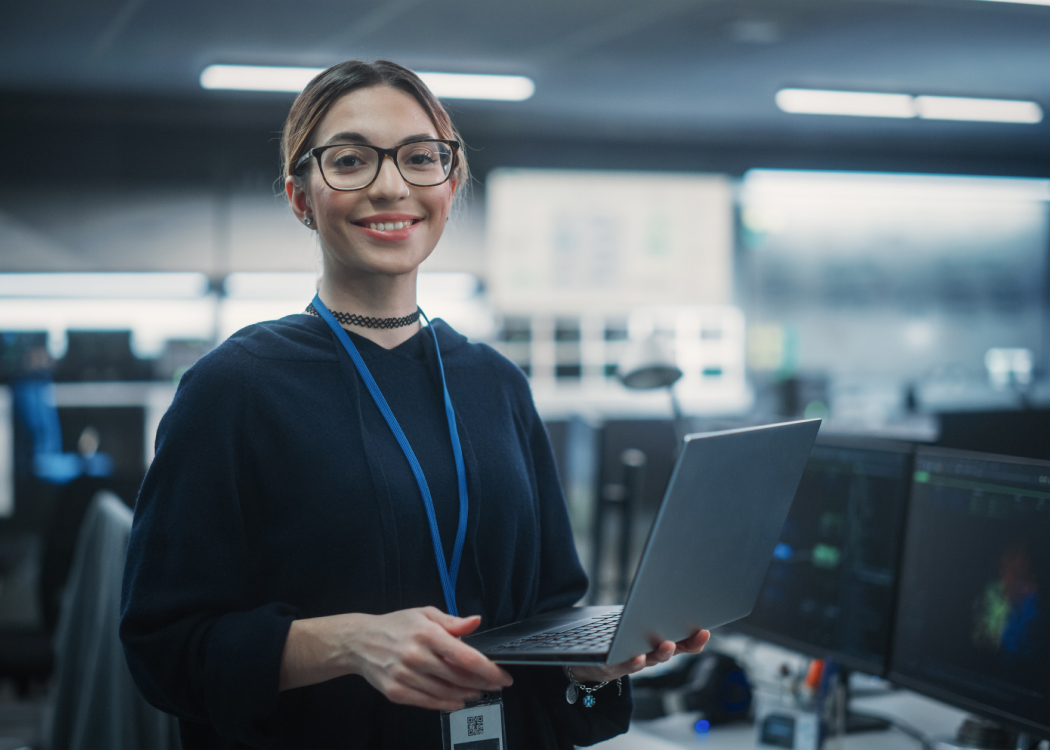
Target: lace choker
<point>366,322</point>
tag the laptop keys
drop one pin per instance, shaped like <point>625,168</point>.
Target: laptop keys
<point>595,635</point>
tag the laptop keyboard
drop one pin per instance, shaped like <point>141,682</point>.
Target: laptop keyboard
<point>595,635</point>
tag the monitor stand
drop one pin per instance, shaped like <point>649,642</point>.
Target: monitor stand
<point>861,722</point>
<point>856,721</point>
<point>976,733</point>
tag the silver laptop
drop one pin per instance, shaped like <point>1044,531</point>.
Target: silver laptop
<point>703,563</point>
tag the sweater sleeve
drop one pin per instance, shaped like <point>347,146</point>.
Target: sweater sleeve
<point>197,644</point>
<point>562,584</point>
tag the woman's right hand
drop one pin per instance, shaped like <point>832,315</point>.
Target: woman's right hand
<point>412,656</point>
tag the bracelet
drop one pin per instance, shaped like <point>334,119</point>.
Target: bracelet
<point>574,688</point>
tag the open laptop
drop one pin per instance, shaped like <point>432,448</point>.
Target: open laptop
<point>703,563</point>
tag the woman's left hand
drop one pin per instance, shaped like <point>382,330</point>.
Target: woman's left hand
<point>694,644</point>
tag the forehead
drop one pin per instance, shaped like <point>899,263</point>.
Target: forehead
<point>382,114</point>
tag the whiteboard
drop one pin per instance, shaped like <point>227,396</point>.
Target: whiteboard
<point>565,242</point>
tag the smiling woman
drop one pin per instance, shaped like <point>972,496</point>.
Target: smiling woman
<point>286,580</point>
<point>372,162</point>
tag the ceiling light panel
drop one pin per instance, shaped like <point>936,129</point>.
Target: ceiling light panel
<point>105,285</point>
<point>906,106</point>
<point>850,103</point>
<point>1025,2</point>
<point>465,86</point>
<point>294,79</point>
<point>257,78</point>
<point>978,110</point>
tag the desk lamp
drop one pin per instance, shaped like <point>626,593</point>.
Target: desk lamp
<point>647,364</point>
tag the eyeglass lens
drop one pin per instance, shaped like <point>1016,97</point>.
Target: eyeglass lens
<point>423,163</point>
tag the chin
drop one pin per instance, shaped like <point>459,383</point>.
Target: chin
<point>392,266</point>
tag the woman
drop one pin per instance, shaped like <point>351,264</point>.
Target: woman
<point>284,584</point>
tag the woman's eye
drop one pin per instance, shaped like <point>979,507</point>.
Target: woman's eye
<point>422,157</point>
<point>348,160</point>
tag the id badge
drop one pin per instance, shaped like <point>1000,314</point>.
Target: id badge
<point>479,726</point>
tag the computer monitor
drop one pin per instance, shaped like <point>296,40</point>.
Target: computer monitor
<point>1018,432</point>
<point>973,612</point>
<point>100,356</point>
<point>16,348</point>
<point>830,587</point>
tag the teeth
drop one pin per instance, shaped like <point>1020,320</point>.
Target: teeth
<point>399,225</point>
<point>388,226</point>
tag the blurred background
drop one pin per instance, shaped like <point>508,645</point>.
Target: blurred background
<point>832,208</point>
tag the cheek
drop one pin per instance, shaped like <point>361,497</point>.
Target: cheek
<point>334,205</point>
<point>443,204</point>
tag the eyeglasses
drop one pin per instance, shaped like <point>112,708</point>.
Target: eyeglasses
<point>355,166</point>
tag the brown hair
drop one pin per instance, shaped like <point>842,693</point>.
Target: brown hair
<point>328,86</point>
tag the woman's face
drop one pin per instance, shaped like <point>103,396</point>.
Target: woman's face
<point>385,117</point>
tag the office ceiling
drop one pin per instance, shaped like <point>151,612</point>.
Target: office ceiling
<point>617,69</point>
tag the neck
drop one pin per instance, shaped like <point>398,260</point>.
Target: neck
<point>373,297</point>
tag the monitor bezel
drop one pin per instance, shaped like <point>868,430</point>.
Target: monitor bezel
<point>930,689</point>
<point>851,661</point>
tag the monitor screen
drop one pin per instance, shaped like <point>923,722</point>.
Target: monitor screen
<point>829,589</point>
<point>973,622</point>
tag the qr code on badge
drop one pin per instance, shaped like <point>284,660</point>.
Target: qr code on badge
<point>475,725</point>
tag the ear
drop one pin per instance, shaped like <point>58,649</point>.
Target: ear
<point>297,198</point>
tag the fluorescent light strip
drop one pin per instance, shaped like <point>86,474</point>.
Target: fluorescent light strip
<point>104,285</point>
<point>850,103</point>
<point>1024,2</point>
<point>905,106</point>
<point>294,79</point>
<point>465,86</point>
<point>978,110</point>
<point>257,78</point>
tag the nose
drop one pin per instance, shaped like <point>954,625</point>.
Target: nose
<point>389,185</point>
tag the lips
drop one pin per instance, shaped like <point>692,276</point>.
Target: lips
<point>387,222</point>
<point>390,227</point>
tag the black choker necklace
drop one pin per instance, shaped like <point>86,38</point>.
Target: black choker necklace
<point>350,319</point>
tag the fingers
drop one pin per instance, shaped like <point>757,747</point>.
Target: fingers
<point>469,665</point>
<point>694,644</point>
<point>456,626</point>
<point>426,678</point>
<point>410,696</point>
<point>611,672</point>
<point>433,669</point>
<point>664,651</point>
<point>460,665</point>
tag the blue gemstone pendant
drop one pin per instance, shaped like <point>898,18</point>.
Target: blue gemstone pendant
<point>588,701</point>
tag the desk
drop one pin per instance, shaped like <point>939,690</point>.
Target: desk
<point>675,732</point>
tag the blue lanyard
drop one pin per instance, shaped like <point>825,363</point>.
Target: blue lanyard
<point>450,573</point>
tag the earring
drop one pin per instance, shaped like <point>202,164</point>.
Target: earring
<point>307,220</point>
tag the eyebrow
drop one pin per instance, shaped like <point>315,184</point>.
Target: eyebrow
<point>348,137</point>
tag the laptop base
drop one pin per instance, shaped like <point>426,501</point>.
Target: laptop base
<point>492,642</point>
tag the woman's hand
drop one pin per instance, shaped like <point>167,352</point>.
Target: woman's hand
<point>694,644</point>
<point>413,656</point>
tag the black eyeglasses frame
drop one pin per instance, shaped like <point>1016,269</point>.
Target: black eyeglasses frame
<point>316,152</point>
